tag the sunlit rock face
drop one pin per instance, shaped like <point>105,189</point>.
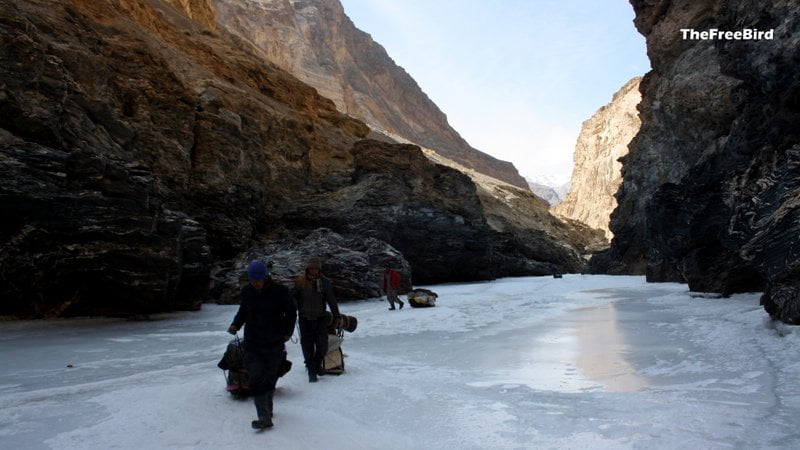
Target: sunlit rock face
<point>201,11</point>
<point>318,43</point>
<point>141,151</point>
<point>137,147</point>
<point>597,174</point>
<point>710,186</point>
<point>315,41</point>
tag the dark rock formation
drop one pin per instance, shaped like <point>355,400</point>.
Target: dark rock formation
<point>315,41</point>
<point>128,119</point>
<point>527,239</point>
<point>447,228</point>
<point>429,212</point>
<point>521,224</point>
<point>84,233</point>
<point>710,187</point>
<point>139,149</point>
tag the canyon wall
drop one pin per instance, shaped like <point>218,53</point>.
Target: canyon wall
<point>597,172</point>
<point>318,43</point>
<point>200,11</point>
<point>315,41</point>
<point>711,182</point>
<point>142,151</point>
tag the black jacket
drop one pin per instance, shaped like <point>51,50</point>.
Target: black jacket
<point>270,315</point>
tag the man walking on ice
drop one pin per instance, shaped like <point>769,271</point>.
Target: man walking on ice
<point>269,312</point>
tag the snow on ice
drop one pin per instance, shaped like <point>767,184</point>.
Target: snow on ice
<point>579,362</point>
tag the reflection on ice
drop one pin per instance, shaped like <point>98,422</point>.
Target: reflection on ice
<point>585,352</point>
<point>602,349</point>
<point>540,361</point>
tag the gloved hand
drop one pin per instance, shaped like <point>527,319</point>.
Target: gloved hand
<point>232,329</point>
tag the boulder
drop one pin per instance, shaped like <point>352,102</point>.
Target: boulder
<point>354,265</point>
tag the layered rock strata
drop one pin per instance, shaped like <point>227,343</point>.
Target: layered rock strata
<point>201,11</point>
<point>443,222</point>
<point>597,173</point>
<point>135,147</point>
<point>521,221</point>
<point>318,43</point>
<point>315,41</point>
<point>139,150</point>
<point>84,233</point>
<point>710,186</point>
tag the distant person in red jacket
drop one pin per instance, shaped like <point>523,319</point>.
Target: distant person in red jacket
<point>391,285</point>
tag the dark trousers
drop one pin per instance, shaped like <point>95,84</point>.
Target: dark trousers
<point>314,341</point>
<point>262,366</point>
<point>391,295</point>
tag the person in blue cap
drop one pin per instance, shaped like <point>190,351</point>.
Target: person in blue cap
<point>270,314</point>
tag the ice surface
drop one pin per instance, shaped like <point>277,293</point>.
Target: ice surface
<point>577,362</point>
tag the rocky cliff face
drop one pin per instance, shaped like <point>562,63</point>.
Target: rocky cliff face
<point>710,186</point>
<point>603,139</point>
<point>526,238</point>
<point>315,41</point>
<point>318,43</point>
<point>200,11</point>
<point>134,147</point>
<point>141,152</point>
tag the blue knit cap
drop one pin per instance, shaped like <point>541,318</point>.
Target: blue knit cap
<point>257,271</point>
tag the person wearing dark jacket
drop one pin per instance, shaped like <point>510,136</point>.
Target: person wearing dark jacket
<point>269,312</point>
<point>312,292</point>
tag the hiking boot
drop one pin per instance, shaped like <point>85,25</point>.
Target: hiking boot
<point>261,423</point>
<point>401,305</point>
<point>392,308</point>
<point>263,410</point>
<point>320,371</point>
<point>312,377</point>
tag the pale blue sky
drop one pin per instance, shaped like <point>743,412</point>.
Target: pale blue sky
<point>515,77</point>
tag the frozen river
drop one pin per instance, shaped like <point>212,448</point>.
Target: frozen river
<point>578,362</point>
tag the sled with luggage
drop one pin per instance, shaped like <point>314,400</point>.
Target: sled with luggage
<point>333,363</point>
<point>422,298</point>
<point>236,377</point>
